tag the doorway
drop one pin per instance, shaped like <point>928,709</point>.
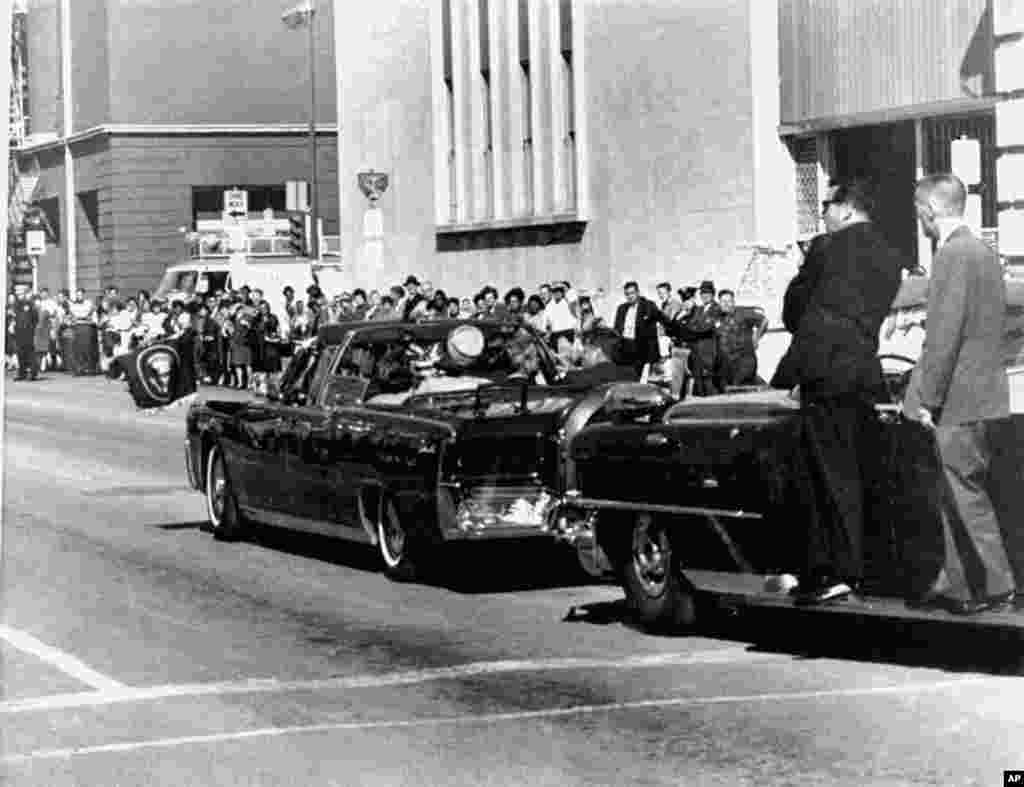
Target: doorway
<point>885,155</point>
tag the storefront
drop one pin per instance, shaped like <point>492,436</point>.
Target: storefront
<point>924,102</point>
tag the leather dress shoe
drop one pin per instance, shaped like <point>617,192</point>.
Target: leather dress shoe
<point>940,602</point>
<point>1003,602</point>
<point>823,593</point>
<point>956,606</point>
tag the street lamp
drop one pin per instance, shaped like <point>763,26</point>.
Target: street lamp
<point>294,18</point>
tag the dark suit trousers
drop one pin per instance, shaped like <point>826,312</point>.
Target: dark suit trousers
<point>974,542</point>
<point>842,443</point>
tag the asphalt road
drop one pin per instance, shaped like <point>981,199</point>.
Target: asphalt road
<point>135,650</point>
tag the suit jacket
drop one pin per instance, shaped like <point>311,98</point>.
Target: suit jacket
<point>837,309</point>
<point>962,377</point>
<point>648,317</point>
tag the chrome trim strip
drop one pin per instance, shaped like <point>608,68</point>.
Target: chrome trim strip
<point>575,499</point>
<point>290,522</point>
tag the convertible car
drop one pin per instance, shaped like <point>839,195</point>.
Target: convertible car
<point>707,502</point>
<point>405,436</point>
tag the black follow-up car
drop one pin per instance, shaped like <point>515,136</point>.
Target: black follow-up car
<point>708,502</point>
<point>406,436</point>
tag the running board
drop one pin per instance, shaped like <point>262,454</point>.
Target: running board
<point>738,591</point>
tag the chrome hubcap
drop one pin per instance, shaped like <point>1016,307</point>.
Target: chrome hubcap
<point>651,556</point>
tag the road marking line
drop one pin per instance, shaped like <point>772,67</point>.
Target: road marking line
<point>65,662</point>
<point>485,718</point>
<point>126,694</point>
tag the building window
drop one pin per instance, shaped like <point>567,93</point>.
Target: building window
<point>488,153</point>
<point>208,201</point>
<point>506,108</point>
<point>940,132</point>
<point>808,206</point>
<point>526,130</point>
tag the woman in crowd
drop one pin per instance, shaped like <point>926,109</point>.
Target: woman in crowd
<point>44,326</point>
<point>12,357</point>
<point>299,329</point>
<point>241,346</point>
<point>270,328</point>
<point>535,313</point>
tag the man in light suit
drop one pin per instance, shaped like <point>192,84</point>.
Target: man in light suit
<point>961,391</point>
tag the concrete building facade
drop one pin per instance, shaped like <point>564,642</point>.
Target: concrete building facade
<point>602,140</point>
<point>527,140</point>
<point>171,102</point>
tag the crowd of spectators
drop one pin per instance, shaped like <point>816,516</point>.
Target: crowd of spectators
<point>239,339</point>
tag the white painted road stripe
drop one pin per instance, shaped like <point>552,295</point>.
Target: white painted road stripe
<point>65,662</point>
<point>125,694</point>
<point>484,718</point>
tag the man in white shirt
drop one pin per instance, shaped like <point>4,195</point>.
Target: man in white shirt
<point>559,321</point>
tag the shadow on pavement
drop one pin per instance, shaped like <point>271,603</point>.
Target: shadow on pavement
<point>952,645</point>
<point>181,525</point>
<point>477,568</point>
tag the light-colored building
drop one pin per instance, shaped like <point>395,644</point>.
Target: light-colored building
<point>171,103</point>
<point>606,140</point>
<point>529,140</point>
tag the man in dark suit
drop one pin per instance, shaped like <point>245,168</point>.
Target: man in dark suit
<point>699,333</point>
<point>25,320</point>
<point>835,308</point>
<point>636,321</point>
<point>961,391</point>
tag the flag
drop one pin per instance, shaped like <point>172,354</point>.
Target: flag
<point>159,373</point>
<point>298,15</point>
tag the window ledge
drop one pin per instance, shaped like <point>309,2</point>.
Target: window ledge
<point>551,220</point>
<point>508,233</point>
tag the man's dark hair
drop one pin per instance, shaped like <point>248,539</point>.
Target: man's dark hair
<point>515,292</point>
<point>858,192</point>
<point>359,291</point>
<point>629,284</point>
<point>605,340</point>
<point>664,286</point>
<point>387,299</point>
<point>730,293</point>
<point>288,289</point>
<point>489,289</point>
<point>480,296</point>
<point>455,301</point>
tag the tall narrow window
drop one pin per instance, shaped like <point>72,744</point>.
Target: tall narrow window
<point>488,164</point>
<point>453,184</point>
<point>569,143</point>
<point>527,94</point>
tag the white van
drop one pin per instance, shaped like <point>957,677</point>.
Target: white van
<point>187,279</point>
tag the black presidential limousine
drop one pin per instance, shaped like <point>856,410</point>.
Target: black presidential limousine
<point>405,436</point>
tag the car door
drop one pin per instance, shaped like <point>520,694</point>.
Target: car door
<point>251,448</point>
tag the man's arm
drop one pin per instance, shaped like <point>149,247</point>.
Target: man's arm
<point>947,309</point>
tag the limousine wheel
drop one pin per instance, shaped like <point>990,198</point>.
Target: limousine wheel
<point>226,522</point>
<point>656,589</point>
<point>398,547</point>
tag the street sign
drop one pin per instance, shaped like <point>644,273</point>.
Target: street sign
<point>236,202</point>
<point>35,243</point>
